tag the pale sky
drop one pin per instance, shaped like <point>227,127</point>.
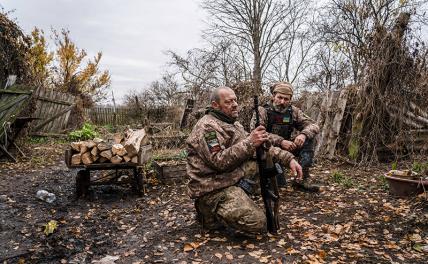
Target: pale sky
<point>132,34</point>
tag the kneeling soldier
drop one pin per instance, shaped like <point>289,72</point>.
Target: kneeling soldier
<point>220,155</point>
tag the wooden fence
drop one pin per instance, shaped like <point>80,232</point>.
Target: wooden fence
<point>110,116</point>
<point>52,112</point>
<point>101,115</point>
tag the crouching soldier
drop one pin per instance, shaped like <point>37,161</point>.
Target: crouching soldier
<point>281,119</point>
<point>220,154</point>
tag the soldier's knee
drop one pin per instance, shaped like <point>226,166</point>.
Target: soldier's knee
<point>261,222</point>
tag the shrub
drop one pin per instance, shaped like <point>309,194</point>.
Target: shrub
<point>86,132</point>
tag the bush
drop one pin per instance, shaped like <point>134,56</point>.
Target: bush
<point>87,132</point>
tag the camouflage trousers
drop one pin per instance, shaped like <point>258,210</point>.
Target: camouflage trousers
<point>305,154</point>
<point>231,207</point>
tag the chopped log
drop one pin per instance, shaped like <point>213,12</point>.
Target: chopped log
<point>76,159</point>
<point>90,144</point>
<point>128,132</point>
<point>83,148</point>
<point>116,159</point>
<point>97,140</point>
<point>118,149</point>
<point>126,158</point>
<point>117,138</point>
<point>95,158</point>
<point>103,146</point>
<point>145,154</point>
<point>134,141</point>
<point>75,146</point>
<point>87,158</point>
<point>122,151</point>
<point>134,159</point>
<point>95,151</point>
<point>103,159</point>
<point>106,154</point>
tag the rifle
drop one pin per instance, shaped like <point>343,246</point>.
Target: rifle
<point>268,185</point>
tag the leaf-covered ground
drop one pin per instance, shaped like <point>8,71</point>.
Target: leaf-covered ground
<point>354,220</point>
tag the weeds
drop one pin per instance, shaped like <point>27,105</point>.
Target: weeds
<point>383,183</point>
<point>37,140</point>
<point>341,179</point>
<point>420,167</point>
<point>87,132</point>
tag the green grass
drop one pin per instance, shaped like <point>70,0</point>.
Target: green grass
<point>383,183</point>
<point>88,131</point>
<point>37,140</point>
<point>420,167</point>
<point>341,179</point>
<point>394,165</point>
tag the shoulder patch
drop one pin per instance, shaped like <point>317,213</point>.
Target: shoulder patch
<point>212,141</point>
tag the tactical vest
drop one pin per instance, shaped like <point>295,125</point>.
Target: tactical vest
<point>280,123</point>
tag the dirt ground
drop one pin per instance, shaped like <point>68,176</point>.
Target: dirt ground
<point>354,220</point>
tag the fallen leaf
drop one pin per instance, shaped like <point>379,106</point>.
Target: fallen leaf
<point>250,246</point>
<point>229,256</point>
<point>281,242</point>
<point>191,246</point>
<point>218,255</point>
<point>50,227</point>
<point>292,251</point>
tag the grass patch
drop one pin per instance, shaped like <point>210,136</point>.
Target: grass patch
<point>170,155</point>
<point>383,183</point>
<point>38,140</point>
<point>420,167</point>
<point>341,179</point>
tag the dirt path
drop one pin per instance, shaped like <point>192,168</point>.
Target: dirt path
<point>353,220</point>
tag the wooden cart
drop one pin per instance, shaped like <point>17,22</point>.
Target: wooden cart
<point>84,180</point>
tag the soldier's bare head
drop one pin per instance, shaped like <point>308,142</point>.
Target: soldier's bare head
<point>224,99</point>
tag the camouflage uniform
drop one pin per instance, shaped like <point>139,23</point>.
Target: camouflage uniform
<point>300,122</point>
<point>219,155</point>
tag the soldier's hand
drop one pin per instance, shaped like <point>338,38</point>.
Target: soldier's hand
<point>296,170</point>
<point>288,145</point>
<point>258,136</point>
<point>299,140</point>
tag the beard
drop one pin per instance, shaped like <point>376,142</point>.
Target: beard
<point>280,108</point>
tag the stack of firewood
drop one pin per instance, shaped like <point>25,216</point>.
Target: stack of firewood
<point>124,148</point>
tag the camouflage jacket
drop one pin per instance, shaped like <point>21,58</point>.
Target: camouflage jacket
<point>219,154</point>
<point>304,124</point>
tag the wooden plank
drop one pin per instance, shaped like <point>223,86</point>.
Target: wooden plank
<point>54,106</point>
<point>11,103</point>
<point>55,101</point>
<point>53,117</point>
<point>337,122</point>
<point>58,108</point>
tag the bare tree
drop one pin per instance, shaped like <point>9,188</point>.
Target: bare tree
<point>160,93</point>
<point>328,70</point>
<point>347,25</point>
<point>257,27</point>
<point>296,49</point>
<point>204,69</point>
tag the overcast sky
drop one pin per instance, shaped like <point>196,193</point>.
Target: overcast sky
<point>132,34</point>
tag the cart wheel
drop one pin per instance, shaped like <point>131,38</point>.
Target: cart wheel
<point>83,181</point>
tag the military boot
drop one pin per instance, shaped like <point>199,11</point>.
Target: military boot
<point>305,185</point>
